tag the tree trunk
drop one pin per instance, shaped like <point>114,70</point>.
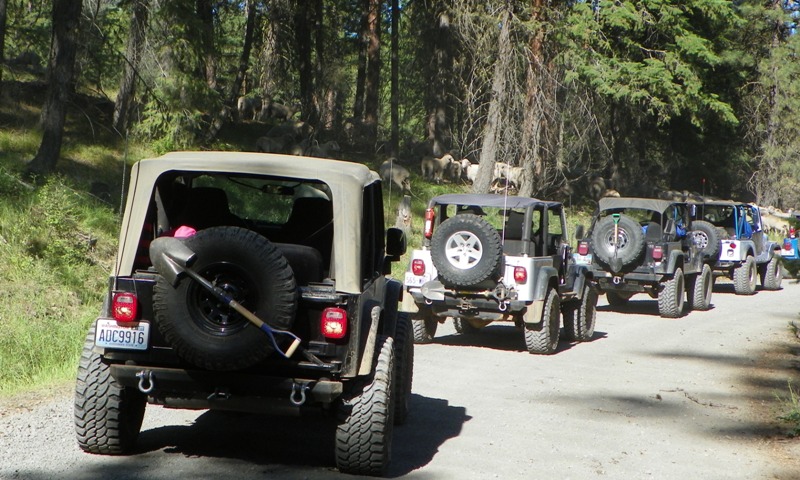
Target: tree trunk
<point>61,70</point>
<point>438,123</point>
<point>492,130</point>
<point>372,91</point>
<point>394,143</point>
<point>305,69</point>
<point>205,13</point>
<point>2,40</point>
<point>533,122</point>
<point>133,56</point>
<point>361,73</point>
<point>241,72</point>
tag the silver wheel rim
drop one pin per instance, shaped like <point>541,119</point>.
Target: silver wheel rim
<point>700,240</point>
<point>622,240</point>
<point>463,250</point>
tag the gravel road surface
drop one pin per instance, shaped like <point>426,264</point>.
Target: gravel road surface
<point>688,398</point>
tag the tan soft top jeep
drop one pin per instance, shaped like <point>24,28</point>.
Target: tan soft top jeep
<point>251,282</point>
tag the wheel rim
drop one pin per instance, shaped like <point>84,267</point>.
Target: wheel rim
<point>463,250</point>
<point>211,314</point>
<point>752,276</point>
<point>623,239</point>
<point>700,240</point>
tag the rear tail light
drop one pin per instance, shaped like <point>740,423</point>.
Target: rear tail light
<point>583,248</point>
<point>418,267</point>
<point>787,244</point>
<point>520,275</point>
<point>124,307</point>
<point>429,216</point>
<point>333,323</point>
<point>658,253</point>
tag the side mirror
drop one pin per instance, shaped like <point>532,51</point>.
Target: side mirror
<point>396,244</point>
<point>579,231</point>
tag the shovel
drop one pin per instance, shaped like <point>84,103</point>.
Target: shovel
<point>172,258</point>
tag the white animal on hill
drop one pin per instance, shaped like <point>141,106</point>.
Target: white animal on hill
<point>392,173</point>
<point>433,169</point>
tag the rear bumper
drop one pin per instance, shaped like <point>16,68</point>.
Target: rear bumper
<point>236,391</point>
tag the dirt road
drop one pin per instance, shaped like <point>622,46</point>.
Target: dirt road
<point>647,398</point>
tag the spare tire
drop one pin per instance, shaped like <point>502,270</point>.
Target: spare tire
<point>466,250</point>
<point>205,331</point>
<point>626,249</point>
<point>706,237</point>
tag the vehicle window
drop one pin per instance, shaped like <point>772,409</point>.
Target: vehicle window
<point>554,226</point>
<point>372,233</point>
<point>262,200</point>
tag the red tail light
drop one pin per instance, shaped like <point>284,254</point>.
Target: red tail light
<point>583,248</point>
<point>333,323</point>
<point>787,244</point>
<point>417,267</point>
<point>658,253</point>
<point>520,275</point>
<point>429,216</point>
<point>124,307</point>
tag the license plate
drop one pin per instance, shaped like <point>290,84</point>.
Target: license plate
<point>110,334</point>
<point>787,253</point>
<point>416,280</point>
<point>582,259</point>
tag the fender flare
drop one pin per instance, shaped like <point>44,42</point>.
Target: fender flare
<point>543,282</point>
<point>676,259</point>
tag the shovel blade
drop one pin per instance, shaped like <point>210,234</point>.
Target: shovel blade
<point>170,256</point>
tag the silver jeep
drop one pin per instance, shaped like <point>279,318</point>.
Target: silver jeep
<point>488,258</point>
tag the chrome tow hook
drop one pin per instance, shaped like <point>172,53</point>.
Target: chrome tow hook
<point>146,377</point>
<point>298,395</point>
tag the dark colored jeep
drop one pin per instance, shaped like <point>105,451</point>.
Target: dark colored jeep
<point>732,237</point>
<point>645,245</point>
<point>252,283</point>
<point>487,258</point>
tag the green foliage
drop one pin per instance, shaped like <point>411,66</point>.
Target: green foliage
<point>791,405</point>
<point>56,248</point>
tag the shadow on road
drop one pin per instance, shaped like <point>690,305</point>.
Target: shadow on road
<point>290,447</point>
<point>501,337</point>
<point>643,305</point>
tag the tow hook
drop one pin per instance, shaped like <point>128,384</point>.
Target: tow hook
<point>298,395</point>
<point>616,280</point>
<point>503,306</point>
<point>146,377</point>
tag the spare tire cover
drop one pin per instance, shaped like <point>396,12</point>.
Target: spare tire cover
<point>466,250</point>
<point>628,246</point>
<point>204,330</point>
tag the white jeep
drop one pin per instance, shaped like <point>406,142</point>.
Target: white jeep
<point>488,258</point>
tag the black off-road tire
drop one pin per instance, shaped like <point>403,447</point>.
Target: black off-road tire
<point>579,320</point>
<point>745,276</point>
<point>542,338</point>
<point>204,330</point>
<point>699,289</point>
<point>366,423</point>
<point>403,367</point>
<point>629,243</point>
<point>671,296</point>
<point>424,325</point>
<point>466,250</point>
<point>618,299</point>
<point>463,326</point>
<point>706,237</point>
<point>772,274</point>
<point>107,416</point>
